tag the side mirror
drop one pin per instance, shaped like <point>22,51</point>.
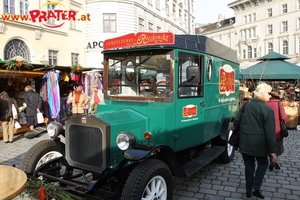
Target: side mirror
<point>193,74</point>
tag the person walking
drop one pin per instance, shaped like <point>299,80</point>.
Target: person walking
<point>257,138</point>
<point>33,104</point>
<point>279,114</point>
<point>77,99</point>
<point>8,124</point>
<point>97,97</point>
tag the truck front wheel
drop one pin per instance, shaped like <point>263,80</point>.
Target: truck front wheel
<point>149,180</point>
<point>42,152</point>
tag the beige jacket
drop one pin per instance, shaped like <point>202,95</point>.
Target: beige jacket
<point>77,108</point>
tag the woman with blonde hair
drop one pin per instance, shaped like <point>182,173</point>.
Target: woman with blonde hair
<point>257,138</point>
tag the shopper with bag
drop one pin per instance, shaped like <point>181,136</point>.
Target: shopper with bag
<point>279,114</point>
<point>8,124</point>
<point>257,140</point>
<point>33,104</point>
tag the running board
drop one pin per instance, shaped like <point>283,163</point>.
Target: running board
<point>203,160</point>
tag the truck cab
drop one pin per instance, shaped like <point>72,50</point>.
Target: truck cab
<point>169,103</point>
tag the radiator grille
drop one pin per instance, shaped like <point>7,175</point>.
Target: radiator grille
<point>85,146</point>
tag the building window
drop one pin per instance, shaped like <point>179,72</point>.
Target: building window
<point>254,17</point>
<point>269,0</point>
<point>109,22</point>
<point>284,26</point>
<point>15,48</point>
<point>174,11</point>
<point>243,7</point>
<point>73,24</point>
<point>285,47</point>
<point>249,52</point>
<point>228,36</point>
<point>157,4</point>
<point>150,27</point>
<point>9,6</point>
<point>245,19</point>
<point>250,18</point>
<point>141,24</point>
<point>244,54</point>
<point>298,4</point>
<point>269,12</point>
<point>270,29</point>
<point>270,47</point>
<point>180,15</point>
<point>74,58</point>
<point>24,7</point>
<point>299,23</point>
<point>167,7</point>
<point>254,32</point>
<point>158,29</point>
<point>254,53</point>
<point>284,8</point>
<point>249,33</point>
<point>51,7</point>
<point>53,57</point>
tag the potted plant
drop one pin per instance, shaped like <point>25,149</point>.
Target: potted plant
<point>76,69</point>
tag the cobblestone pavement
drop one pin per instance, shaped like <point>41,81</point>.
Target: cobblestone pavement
<point>215,181</point>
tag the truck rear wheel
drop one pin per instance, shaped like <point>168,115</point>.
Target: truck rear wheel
<point>150,179</point>
<point>227,155</point>
<point>42,152</point>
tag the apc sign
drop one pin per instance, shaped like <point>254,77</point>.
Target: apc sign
<point>93,45</point>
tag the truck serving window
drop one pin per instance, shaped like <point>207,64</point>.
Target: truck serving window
<point>190,80</point>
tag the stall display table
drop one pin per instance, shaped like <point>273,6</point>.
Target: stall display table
<point>12,182</point>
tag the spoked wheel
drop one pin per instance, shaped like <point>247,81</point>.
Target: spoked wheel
<point>39,154</point>
<point>150,180</point>
<point>228,154</point>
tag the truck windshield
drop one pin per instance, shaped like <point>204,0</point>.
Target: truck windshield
<point>142,74</point>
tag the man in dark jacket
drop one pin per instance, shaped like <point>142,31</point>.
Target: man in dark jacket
<point>33,104</point>
<point>8,122</point>
<point>257,138</point>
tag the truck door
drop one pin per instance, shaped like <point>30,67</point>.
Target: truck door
<point>189,101</point>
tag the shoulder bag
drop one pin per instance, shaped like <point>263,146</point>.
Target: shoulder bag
<point>283,129</point>
<point>69,111</point>
<point>234,139</point>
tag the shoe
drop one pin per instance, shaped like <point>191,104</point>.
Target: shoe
<point>271,167</point>
<point>6,142</point>
<point>248,194</point>
<point>276,166</point>
<point>258,194</point>
<point>10,141</point>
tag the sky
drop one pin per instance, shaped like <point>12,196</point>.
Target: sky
<point>207,11</point>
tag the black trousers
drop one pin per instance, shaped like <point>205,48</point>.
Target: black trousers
<point>254,177</point>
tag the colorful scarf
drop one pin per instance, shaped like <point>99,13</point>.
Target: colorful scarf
<point>77,96</point>
<point>96,98</point>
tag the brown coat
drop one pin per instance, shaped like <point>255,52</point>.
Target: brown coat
<point>77,108</point>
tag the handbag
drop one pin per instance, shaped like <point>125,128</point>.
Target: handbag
<point>69,111</point>
<point>283,129</point>
<point>234,139</point>
<point>40,118</point>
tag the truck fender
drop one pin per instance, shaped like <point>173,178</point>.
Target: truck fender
<point>161,152</point>
<point>224,128</point>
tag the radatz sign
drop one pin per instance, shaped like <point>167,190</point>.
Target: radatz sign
<point>139,39</point>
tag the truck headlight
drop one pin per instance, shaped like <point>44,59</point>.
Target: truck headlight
<point>54,129</point>
<point>125,140</point>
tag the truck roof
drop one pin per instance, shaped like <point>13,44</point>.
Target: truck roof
<point>198,43</point>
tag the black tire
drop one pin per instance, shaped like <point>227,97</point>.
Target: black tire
<point>228,154</point>
<point>143,175</point>
<point>37,153</point>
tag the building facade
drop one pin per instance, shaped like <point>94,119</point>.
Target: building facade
<point>43,32</point>
<point>115,18</point>
<point>259,27</point>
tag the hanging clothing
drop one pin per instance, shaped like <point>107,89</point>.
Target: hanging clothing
<point>53,93</point>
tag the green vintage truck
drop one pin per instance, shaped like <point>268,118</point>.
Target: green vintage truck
<point>169,105</point>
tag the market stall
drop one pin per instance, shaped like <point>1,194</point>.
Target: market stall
<point>282,75</point>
